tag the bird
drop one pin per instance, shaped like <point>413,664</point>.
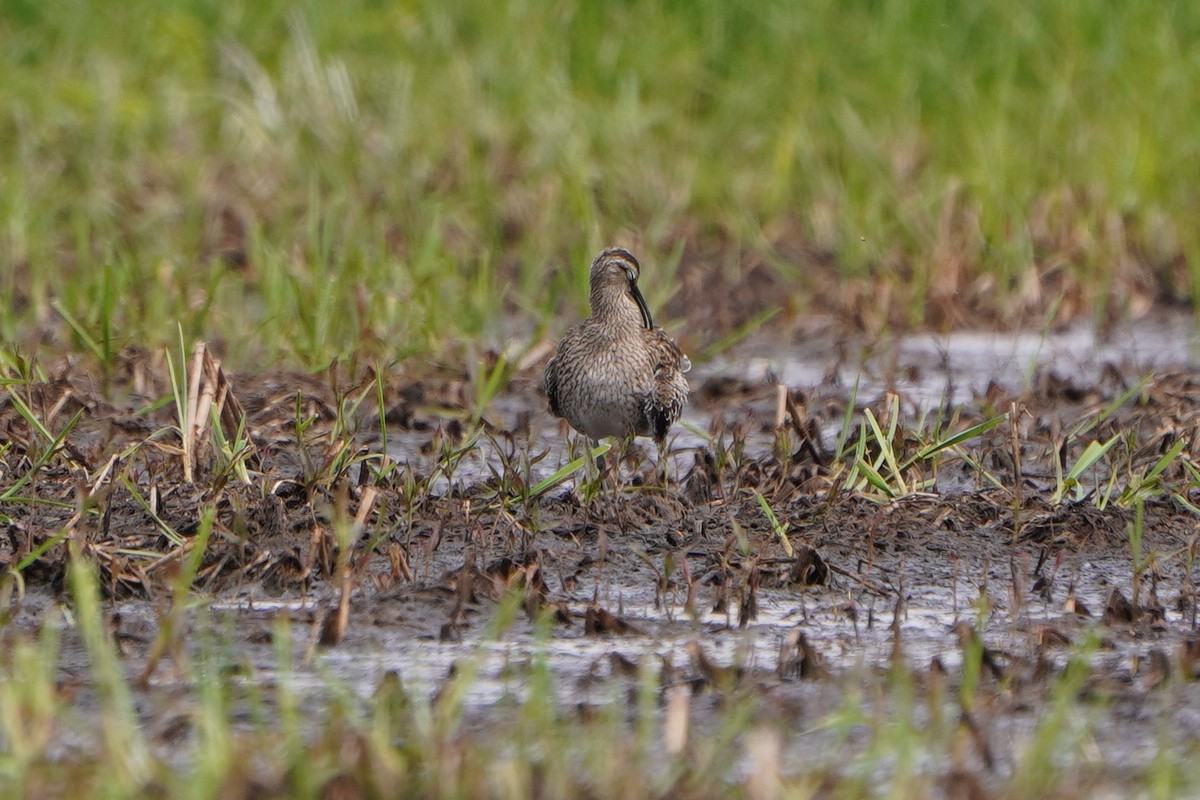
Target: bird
<point>616,373</point>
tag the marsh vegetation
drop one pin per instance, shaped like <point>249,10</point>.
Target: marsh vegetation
<point>284,514</point>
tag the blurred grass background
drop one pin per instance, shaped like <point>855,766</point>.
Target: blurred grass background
<point>305,181</point>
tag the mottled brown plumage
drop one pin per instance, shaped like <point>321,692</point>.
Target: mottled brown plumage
<point>615,373</point>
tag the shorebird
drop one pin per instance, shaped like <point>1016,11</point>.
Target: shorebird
<point>615,373</point>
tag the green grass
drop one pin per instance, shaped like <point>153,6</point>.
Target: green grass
<point>303,183</point>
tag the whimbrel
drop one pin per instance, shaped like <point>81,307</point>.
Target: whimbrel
<point>615,373</point>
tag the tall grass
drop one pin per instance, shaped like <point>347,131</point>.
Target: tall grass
<point>305,181</point>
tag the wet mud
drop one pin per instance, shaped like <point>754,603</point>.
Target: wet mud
<point>747,561</point>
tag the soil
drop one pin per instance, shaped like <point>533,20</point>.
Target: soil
<point>672,558</point>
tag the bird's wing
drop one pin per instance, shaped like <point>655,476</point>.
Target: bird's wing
<point>667,354</point>
<point>670,387</point>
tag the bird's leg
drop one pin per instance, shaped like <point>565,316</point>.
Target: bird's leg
<point>663,477</point>
<point>620,448</point>
<point>593,473</point>
<point>589,483</point>
<point>599,462</point>
<point>594,466</point>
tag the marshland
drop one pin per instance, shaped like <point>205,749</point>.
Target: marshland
<point>285,513</point>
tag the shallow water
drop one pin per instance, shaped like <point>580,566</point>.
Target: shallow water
<point>925,370</point>
<point>933,369</point>
<point>942,595</point>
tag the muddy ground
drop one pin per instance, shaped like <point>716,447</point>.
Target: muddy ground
<point>672,559</point>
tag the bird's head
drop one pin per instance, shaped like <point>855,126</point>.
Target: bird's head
<point>614,278</point>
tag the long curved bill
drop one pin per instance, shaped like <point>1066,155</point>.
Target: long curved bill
<point>641,301</point>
